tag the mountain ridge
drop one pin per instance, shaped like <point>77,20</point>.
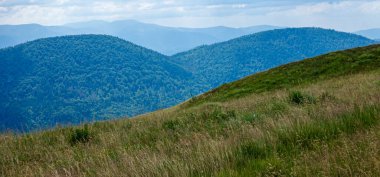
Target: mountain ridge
<point>227,61</point>
<point>373,33</point>
<point>166,40</point>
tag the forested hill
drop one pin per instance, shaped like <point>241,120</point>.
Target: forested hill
<point>71,79</point>
<point>220,63</point>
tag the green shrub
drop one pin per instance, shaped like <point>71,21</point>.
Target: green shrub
<point>299,98</point>
<point>80,135</point>
<point>251,117</point>
<point>171,125</point>
<point>255,150</point>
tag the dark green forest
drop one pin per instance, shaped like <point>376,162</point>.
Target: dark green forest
<point>74,79</point>
<point>221,63</point>
<point>82,78</point>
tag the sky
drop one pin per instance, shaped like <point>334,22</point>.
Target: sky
<point>345,15</point>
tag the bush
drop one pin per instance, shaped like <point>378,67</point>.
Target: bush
<point>171,125</point>
<point>255,150</point>
<point>251,117</point>
<point>80,135</point>
<point>299,98</point>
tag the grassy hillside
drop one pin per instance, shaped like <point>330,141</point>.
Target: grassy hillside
<point>228,61</point>
<point>326,125</point>
<point>303,72</point>
<point>72,79</point>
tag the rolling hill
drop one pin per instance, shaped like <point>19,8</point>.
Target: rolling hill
<point>72,79</point>
<point>224,62</point>
<point>316,117</point>
<point>166,40</point>
<point>304,72</point>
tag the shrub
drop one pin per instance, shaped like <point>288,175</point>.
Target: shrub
<point>80,135</point>
<point>299,98</point>
<point>171,125</point>
<point>255,150</point>
<point>251,117</point>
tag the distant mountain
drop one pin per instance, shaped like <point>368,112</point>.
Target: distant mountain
<point>224,62</point>
<point>166,40</point>
<point>80,78</point>
<point>370,33</point>
<point>11,35</point>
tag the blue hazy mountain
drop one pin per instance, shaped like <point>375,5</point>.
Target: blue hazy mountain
<point>224,62</point>
<point>166,40</point>
<point>11,35</point>
<point>370,33</point>
<point>72,79</point>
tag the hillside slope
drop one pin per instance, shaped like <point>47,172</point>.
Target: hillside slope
<point>228,61</point>
<point>303,72</point>
<point>88,77</point>
<point>325,123</point>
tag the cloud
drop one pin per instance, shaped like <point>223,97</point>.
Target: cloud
<point>346,15</point>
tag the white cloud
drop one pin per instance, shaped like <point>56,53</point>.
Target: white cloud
<point>3,9</point>
<point>239,6</point>
<point>346,15</point>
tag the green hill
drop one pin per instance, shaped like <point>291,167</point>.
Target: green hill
<point>317,117</point>
<point>303,72</point>
<point>228,61</point>
<point>73,79</point>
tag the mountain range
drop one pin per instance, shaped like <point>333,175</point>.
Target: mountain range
<point>78,78</point>
<point>370,33</point>
<point>224,62</point>
<point>166,40</point>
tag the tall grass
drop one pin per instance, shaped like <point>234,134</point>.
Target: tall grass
<point>260,134</point>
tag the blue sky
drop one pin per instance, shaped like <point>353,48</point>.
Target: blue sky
<point>345,15</point>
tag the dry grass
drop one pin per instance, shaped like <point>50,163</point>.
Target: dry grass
<point>208,139</point>
<point>355,155</point>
